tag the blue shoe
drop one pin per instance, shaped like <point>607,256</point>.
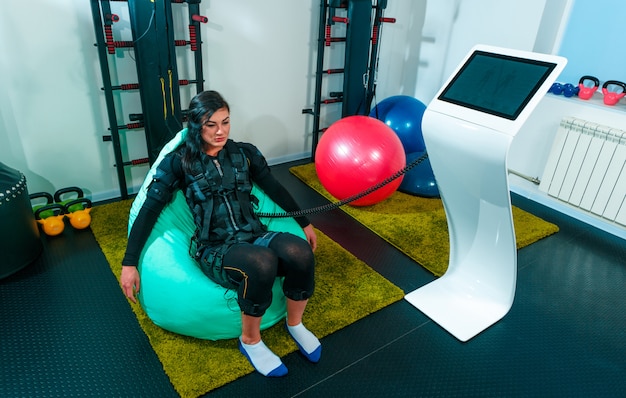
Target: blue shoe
<point>264,355</point>
<point>313,356</point>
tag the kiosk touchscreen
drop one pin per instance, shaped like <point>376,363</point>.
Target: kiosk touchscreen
<point>468,129</point>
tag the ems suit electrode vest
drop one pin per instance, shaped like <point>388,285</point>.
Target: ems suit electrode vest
<point>218,194</point>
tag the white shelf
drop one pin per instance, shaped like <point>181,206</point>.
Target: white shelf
<point>597,102</point>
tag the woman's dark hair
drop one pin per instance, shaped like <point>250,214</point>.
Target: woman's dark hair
<point>201,108</point>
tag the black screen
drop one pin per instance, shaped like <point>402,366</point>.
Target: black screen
<point>497,84</point>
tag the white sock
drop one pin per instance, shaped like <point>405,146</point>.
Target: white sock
<point>263,359</point>
<point>306,341</point>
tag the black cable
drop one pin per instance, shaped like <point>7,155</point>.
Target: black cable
<point>336,205</point>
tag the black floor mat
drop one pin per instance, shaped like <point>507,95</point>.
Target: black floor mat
<point>68,331</point>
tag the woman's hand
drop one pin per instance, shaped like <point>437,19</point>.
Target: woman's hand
<point>129,280</point>
<point>311,237</point>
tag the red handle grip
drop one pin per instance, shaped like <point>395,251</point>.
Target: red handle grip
<point>199,18</point>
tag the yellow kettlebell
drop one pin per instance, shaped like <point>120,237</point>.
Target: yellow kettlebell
<point>52,225</point>
<point>79,216</point>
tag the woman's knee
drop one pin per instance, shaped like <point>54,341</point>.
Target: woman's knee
<point>253,262</point>
<point>294,249</point>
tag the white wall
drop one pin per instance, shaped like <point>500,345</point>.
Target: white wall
<point>260,55</point>
<point>453,27</point>
<point>51,115</point>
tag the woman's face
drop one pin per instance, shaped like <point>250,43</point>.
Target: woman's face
<point>215,131</point>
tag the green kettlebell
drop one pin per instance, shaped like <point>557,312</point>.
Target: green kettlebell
<point>61,197</point>
<point>36,204</point>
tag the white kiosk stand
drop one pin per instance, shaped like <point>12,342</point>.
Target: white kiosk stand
<point>468,129</point>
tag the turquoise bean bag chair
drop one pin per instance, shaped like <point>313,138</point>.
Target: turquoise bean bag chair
<point>174,293</point>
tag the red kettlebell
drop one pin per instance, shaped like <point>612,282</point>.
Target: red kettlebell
<point>585,92</point>
<point>612,97</point>
<point>52,225</point>
<point>79,216</point>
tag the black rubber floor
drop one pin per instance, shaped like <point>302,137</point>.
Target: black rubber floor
<point>66,330</point>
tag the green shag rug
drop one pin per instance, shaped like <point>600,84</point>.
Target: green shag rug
<point>346,291</point>
<point>417,226</point>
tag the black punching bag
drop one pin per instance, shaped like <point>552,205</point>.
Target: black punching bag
<point>20,243</point>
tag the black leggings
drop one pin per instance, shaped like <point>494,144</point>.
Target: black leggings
<point>253,268</point>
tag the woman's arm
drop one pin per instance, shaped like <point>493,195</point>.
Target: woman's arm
<point>160,192</point>
<point>262,176</point>
<point>281,196</point>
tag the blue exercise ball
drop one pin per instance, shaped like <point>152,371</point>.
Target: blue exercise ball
<point>420,180</point>
<point>404,115</point>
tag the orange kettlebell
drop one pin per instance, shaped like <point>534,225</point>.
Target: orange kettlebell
<point>52,225</point>
<point>80,219</point>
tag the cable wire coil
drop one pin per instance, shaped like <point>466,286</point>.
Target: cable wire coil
<point>336,205</point>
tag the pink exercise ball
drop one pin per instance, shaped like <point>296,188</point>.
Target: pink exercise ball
<point>356,153</point>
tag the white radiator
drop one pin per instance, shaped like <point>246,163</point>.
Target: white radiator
<point>587,168</point>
